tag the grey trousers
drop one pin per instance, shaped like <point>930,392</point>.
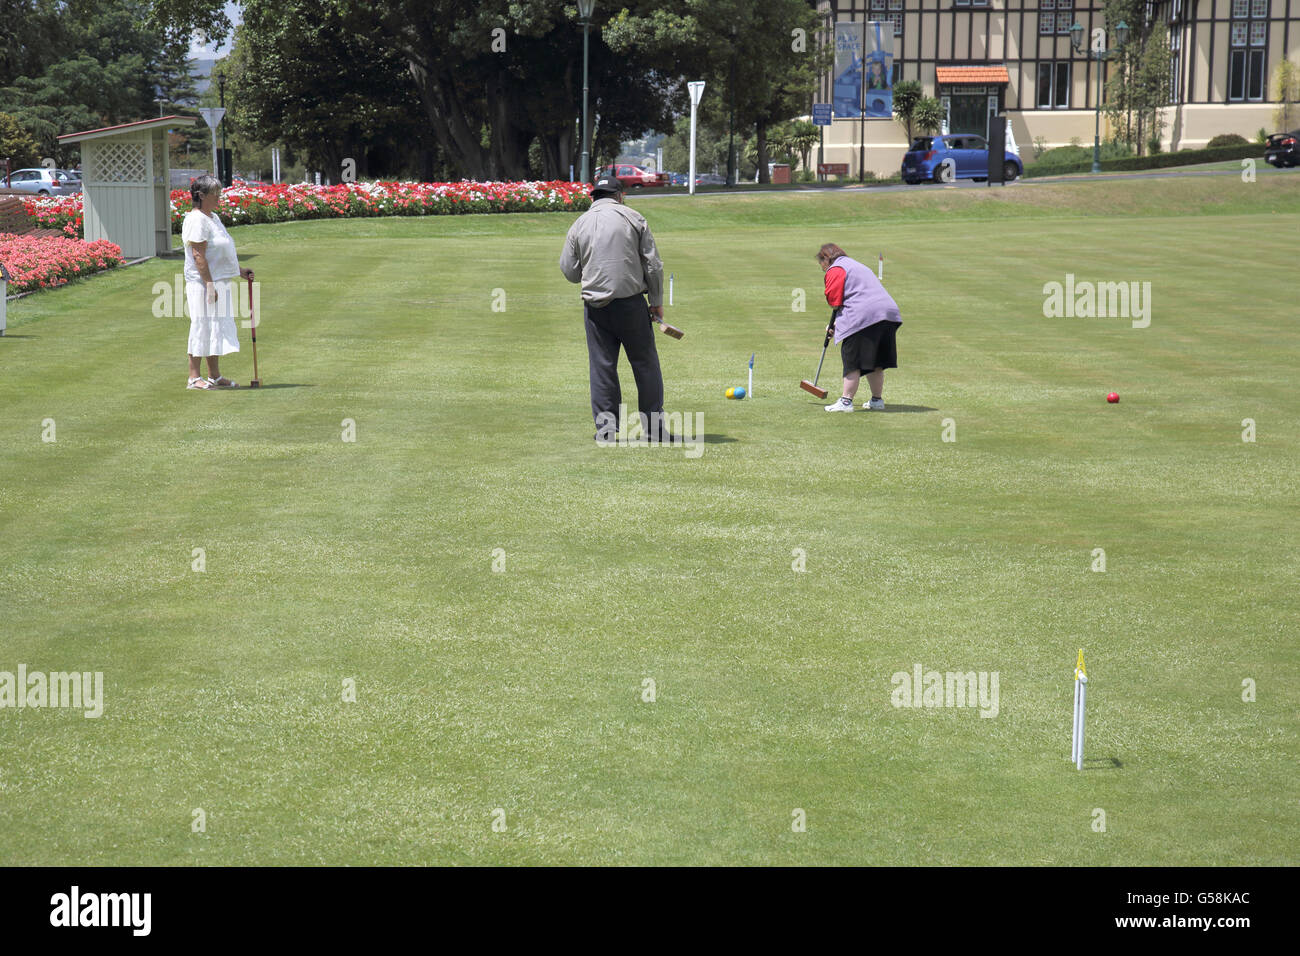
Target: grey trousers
<point>626,323</point>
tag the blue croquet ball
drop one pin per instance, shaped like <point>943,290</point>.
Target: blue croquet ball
<point>739,391</point>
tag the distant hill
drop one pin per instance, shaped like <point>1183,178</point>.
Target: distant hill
<point>201,69</point>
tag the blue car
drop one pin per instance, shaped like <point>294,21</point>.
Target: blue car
<point>942,159</point>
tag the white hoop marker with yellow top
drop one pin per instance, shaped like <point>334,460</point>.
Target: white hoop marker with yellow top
<point>1080,704</point>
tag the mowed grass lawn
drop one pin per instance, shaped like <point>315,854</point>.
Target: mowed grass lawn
<point>523,689</point>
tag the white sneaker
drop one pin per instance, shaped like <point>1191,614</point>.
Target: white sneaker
<point>840,405</point>
<point>874,405</point>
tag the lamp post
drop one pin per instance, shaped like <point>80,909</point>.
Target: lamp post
<point>225,159</point>
<point>732,171</point>
<point>585,9</point>
<point>1099,53</point>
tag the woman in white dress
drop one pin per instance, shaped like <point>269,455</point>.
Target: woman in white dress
<point>211,266</point>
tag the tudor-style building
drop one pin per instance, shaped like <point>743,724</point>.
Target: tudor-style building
<point>984,57</point>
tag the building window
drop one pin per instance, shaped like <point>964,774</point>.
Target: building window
<point>1054,85</point>
<point>1046,17</point>
<point>1246,37</point>
<point>879,13</point>
<point>1064,21</point>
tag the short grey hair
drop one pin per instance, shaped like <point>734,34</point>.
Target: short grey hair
<point>205,185</point>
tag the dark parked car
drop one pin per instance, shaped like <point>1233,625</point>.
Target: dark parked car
<point>1283,149</point>
<point>954,156</point>
<point>710,179</point>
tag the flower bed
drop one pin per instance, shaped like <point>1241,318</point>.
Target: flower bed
<point>56,212</point>
<point>243,205</point>
<point>51,261</point>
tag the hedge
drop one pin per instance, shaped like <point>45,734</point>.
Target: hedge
<point>1186,157</point>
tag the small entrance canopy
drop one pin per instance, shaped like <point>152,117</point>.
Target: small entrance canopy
<point>979,75</point>
<point>971,96</point>
<point>126,184</point>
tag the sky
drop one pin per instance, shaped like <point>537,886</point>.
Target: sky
<point>200,51</point>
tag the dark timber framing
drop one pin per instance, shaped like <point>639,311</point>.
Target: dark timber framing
<point>932,27</point>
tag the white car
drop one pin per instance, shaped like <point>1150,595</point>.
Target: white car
<point>44,182</point>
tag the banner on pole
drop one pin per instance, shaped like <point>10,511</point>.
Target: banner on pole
<point>864,64</point>
<point>880,70</point>
<point>846,92</point>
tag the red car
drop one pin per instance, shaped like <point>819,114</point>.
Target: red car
<point>633,177</point>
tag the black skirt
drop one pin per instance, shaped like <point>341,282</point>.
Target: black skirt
<point>871,348</point>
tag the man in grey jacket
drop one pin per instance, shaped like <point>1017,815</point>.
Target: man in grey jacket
<point>610,251</point>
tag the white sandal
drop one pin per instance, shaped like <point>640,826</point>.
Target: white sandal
<point>199,383</point>
<point>222,382</point>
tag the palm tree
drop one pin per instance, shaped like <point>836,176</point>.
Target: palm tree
<point>929,115</point>
<point>907,95</point>
<point>801,137</point>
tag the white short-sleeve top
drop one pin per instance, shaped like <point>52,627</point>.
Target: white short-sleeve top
<point>223,263</point>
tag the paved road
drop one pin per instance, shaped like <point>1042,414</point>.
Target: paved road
<point>1261,169</point>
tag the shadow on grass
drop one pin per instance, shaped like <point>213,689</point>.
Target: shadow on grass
<point>9,335</point>
<point>706,439</point>
<point>889,409</point>
<point>1102,763</point>
<point>263,388</point>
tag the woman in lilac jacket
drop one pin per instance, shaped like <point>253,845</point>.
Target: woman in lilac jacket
<point>865,321</point>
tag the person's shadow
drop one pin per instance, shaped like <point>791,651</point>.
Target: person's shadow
<point>889,409</point>
<point>245,387</point>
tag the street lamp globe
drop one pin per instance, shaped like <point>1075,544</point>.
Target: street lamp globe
<point>1121,33</point>
<point>586,8</point>
<point>1076,36</point>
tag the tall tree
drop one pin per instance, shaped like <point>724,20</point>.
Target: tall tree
<point>100,69</point>
<point>33,30</point>
<point>500,76</point>
<point>16,144</point>
<point>304,75</point>
<point>768,64</point>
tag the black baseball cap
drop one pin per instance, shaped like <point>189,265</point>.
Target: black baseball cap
<point>607,184</point>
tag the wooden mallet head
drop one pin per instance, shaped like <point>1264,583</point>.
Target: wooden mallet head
<point>808,386</point>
